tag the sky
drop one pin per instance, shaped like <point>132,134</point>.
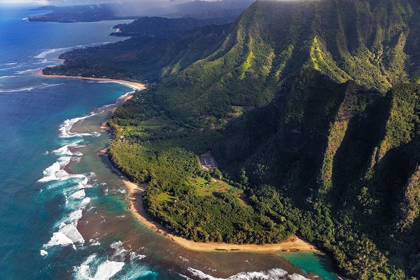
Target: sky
<point>73,2</point>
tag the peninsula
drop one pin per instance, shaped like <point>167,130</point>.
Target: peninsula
<point>132,84</point>
<point>310,110</point>
<point>83,13</point>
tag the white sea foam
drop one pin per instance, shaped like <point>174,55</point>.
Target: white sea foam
<point>6,77</point>
<point>58,239</point>
<point>105,270</point>
<point>65,128</point>
<point>43,253</point>
<point>18,89</point>
<point>10,67</point>
<point>76,200</point>
<point>65,150</point>
<point>138,272</point>
<point>50,173</point>
<point>184,259</point>
<point>134,256</point>
<point>45,61</point>
<point>116,245</point>
<point>72,233</point>
<point>119,82</point>
<point>10,64</point>
<point>28,71</point>
<point>124,96</point>
<point>101,268</point>
<point>66,232</point>
<point>55,172</point>
<point>77,154</point>
<point>78,195</point>
<point>120,252</point>
<point>83,271</point>
<point>94,242</point>
<point>75,216</point>
<point>108,269</point>
<point>273,274</point>
<point>47,52</point>
<point>296,276</point>
<point>30,88</point>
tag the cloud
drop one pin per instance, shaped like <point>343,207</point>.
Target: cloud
<point>42,2</point>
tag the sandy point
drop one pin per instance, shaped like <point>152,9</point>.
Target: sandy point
<point>135,196</point>
<point>133,85</point>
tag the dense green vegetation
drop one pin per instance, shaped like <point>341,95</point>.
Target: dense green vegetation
<point>185,199</point>
<point>318,153</point>
<point>312,112</point>
<point>140,58</point>
<point>165,27</point>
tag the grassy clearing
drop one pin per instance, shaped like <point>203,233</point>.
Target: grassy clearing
<point>206,188</point>
<point>165,197</point>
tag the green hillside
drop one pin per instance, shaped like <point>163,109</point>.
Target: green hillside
<point>272,40</point>
<point>170,28</point>
<point>347,158</point>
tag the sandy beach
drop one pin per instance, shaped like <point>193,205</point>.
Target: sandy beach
<point>135,196</point>
<point>134,85</point>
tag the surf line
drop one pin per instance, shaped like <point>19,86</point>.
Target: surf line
<point>58,176</point>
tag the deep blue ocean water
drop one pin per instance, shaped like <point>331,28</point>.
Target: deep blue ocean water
<point>41,205</point>
<point>32,109</point>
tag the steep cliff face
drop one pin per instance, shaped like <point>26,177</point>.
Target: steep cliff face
<point>349,153</point>
<point>371,42</point>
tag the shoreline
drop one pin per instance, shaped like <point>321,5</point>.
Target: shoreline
<point>135,195</point>
<point>135,207</point>
<point>133,85</point>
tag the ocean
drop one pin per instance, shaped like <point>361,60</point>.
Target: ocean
<point>63,210</point>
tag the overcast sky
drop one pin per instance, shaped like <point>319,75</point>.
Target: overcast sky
<point>75,2</point>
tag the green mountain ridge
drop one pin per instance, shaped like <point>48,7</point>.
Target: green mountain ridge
<point>140,58</point>
<point>165,27</point>
<point>348,156</point>
<point>272,40</point>
<point>311,109</point>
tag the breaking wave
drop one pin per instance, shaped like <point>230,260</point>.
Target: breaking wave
<point>47,52</point>
<point>37,87</point>
<point>65,128</point>
<point>123,262</point>
<point>273,274</point>
<point>73,188</point>
<point>28,71</point>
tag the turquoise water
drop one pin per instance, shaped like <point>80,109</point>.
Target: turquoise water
<point>32,109</point>
<point>311,262</point>
<point>57,223</point>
